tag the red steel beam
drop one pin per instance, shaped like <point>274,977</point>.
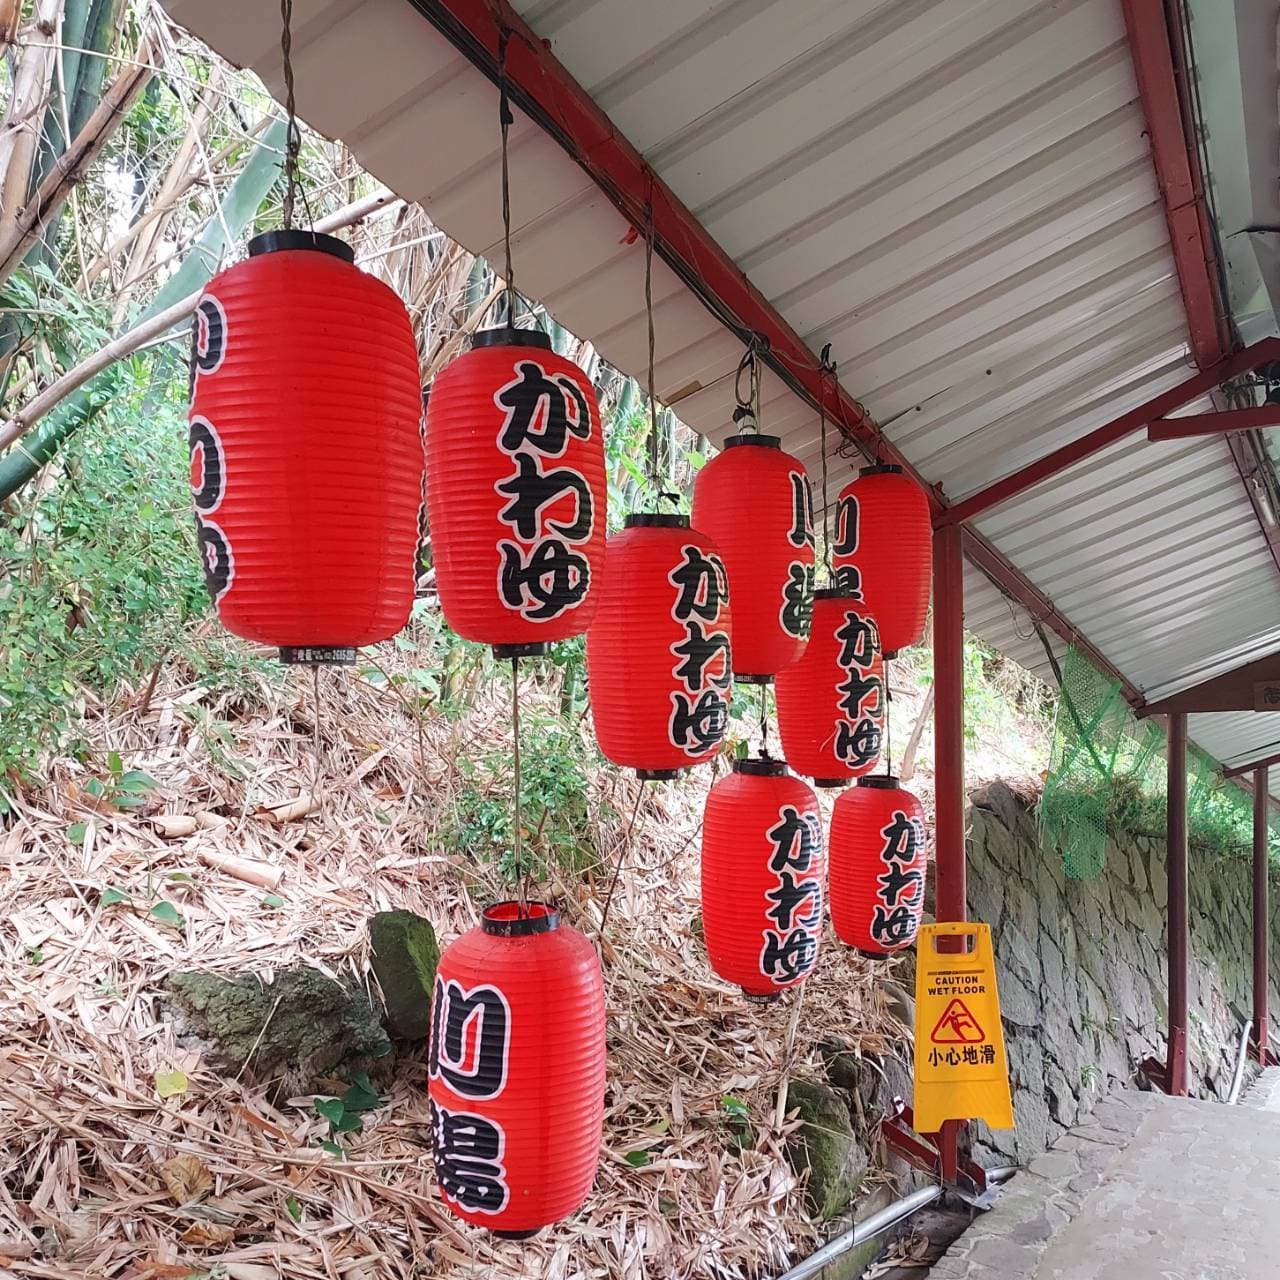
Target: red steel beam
<point>1214,424</point>
<point>1176,853</point>
<point>1261,916</point>
<point>1239,770</point>
<point>1101,437</point>
<point>1177,173</point>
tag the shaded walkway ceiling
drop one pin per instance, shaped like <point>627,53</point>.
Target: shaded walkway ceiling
<point>958,195</point>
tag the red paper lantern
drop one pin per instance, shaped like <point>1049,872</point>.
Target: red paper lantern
<point>831,703</point>
<point>306,449</point>
<point>884,548</point>
<point>515,1070</point>
<point>762,872</point>
<point>659,668</point>
<point>878,860</point>
<point>753,501</point>
<point>515,492</point>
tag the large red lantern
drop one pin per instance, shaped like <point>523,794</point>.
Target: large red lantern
<point>753,501</point>
<point>831,704</point>
<point>762,873</point>
<point>515,1070</point>
<point>659,667</point>
<point>515,492</point>
<point>884,548</point>
<point>877,861</point>
<point>305,433</point>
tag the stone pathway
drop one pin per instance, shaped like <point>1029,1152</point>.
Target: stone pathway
<point>1152,1188</point>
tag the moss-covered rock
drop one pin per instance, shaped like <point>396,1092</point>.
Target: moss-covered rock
<point>303,1029</point>
<point>405,956</point>
<point>824,1148</point>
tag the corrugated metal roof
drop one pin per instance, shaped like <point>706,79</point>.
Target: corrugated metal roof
<point>956,194</point>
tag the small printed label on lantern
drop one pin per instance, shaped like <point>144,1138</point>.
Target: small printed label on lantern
<point>961,1069</point>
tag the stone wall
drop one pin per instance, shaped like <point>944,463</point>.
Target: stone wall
<point>1081,966</point>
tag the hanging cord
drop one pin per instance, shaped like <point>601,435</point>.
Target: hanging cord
<point>627,842</point>
<point>517,808</point>
<point>654,478</point>
<point>888,727</point>
<point>506,120</point>
<point>745,412</point>
<point>764,720</point>
<point>827,369</point>
<point>293,135</point>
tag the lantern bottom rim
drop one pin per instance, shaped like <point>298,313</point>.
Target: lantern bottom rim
<point>318,655</point>
<point>890,654</point>
<point>531,649</point>
<point>875,955</point>
<point>658,775</point>
<point>771,997</point>
<point>742,677</point>
<point>831,782</point>
<point>527,1234</point>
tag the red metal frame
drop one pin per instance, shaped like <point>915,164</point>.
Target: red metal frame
<point>1153,39</point>
<point>1214,424</point>
<point>1100,438</point>
<point>1238,771</point>
<point>1176,846</point>
<point>924,1152</point>
<point>1261,917</point>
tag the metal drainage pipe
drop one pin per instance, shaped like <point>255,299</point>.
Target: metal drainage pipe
<point>1242,1054</point>
<point>877,1224</point>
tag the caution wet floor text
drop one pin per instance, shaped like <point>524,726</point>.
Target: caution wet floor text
<point>961,1069</point>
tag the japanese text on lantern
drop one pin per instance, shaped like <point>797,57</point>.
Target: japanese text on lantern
<point>542,573</point>
<point>208,458</point>
<point>900,887</point>
<point>796,612</point>
<point>703,665</point>
<point>468,1050</point>
<point>860,693</point>
<point>790,948</point>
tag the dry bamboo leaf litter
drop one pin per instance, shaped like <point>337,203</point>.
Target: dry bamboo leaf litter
<point>90,1150</point>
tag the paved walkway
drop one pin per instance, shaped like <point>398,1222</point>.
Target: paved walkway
<point>1152,1188</point>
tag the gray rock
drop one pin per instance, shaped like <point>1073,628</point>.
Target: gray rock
<point>824,1149</point>
<point>405,956</point>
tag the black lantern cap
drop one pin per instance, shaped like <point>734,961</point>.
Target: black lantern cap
<point>510,336</point>
<point>658,775</point>
<point>530,649</point>
<point>279,241</point>
<point>880,782</point>
<point>511,920</point>
<point>754,437</point>
<point>761,767</point>
<point>831,783</point>
<point>743,677</point>
<point>881,469</point>
<point>772,998</point>
<point>838,593</point>
<point>657,520</point>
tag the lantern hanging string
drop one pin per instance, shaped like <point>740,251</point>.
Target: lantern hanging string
<point>506,120</point>
<point>293,133</point>
<point>654,478</point>
<point>517,811</point>
<point>764,720</point>
<point>827,370</point>
<point>627,841</point>
<point>747,406</point>
<point>888,726</point>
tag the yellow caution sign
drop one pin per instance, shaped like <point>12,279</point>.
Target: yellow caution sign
<point>961,1069</point>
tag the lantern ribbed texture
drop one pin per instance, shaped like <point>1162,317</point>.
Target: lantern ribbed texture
<point>878,862</point>
<point>831,703</point>
<point>306,447</point>
<point>753,501</point>
<point>515,492</point>
<point>884,533</point>
<point>762,878</point>
<point>659,667</point>
<point>516,1070</point>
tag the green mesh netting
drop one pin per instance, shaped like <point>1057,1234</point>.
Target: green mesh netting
<point>1089,728</point>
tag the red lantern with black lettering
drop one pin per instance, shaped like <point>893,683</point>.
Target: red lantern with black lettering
<point>515,1070</point>
<point>753,501</point>
<point>515,492</point>
<point>877,860</point>
<point>831,704</point>
<point>884,548</point>
<point>762,878</point>
<point>659,667</point>
<point>305,432</point>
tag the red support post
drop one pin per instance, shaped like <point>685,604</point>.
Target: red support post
<point>1192,425</point>
<point>948,731</point>
<point>1261,917</point>
<point>1176,854</point>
